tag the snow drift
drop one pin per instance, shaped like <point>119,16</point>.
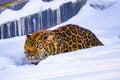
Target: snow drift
<point>97,63</point>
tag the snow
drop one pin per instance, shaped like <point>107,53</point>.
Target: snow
<point>33,6</point>
<point>97,63</point>
<point>102,4</point>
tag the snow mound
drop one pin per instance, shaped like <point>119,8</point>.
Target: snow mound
<point>102,4</point>
<point>97,63</point>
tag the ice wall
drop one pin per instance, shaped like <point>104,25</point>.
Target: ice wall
<point>40,20</point>
<point>13,7</point>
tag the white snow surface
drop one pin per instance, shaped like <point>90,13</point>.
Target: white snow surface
<point>32,7</point>
<point>97,63</point>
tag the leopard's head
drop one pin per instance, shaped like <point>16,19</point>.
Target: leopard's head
<point>36,47</point>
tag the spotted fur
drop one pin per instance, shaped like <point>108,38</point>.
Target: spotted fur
<point>67,38</point>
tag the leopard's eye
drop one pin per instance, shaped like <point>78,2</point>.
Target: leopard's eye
<point>38,44</point>
<point>30,43</point>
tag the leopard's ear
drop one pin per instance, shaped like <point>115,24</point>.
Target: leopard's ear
<point>28,35</point>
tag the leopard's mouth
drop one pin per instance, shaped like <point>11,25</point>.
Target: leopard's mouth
<point>36,61</point>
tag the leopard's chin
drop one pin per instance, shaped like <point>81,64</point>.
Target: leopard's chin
<point>36,61</point>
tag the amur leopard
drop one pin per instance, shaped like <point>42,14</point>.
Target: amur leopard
<point>66,38</point>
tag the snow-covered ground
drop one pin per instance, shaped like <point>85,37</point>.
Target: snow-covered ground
<point>97,63</point>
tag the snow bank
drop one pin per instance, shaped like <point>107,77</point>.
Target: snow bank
<point>97,63</point>
<point>29,9</point>
<point>102,4</point>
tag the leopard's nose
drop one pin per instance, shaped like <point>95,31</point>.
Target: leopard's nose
<point>30,56</point>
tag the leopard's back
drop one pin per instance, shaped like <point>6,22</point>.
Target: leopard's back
<point>75,37</point>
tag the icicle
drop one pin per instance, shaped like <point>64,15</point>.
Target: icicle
<point>2,31</point>
<point>41,22</point>
<point>48,18</point>
<point>22,26</point>
<point>29,28</point>
<point>53,17</point>
<point>58,16</point>
<point>8,28</point>
<point>34,24</point>
<point>19,27</point>
<point>15,27</point>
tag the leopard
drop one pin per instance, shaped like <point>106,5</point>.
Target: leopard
<point>63,39</point>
